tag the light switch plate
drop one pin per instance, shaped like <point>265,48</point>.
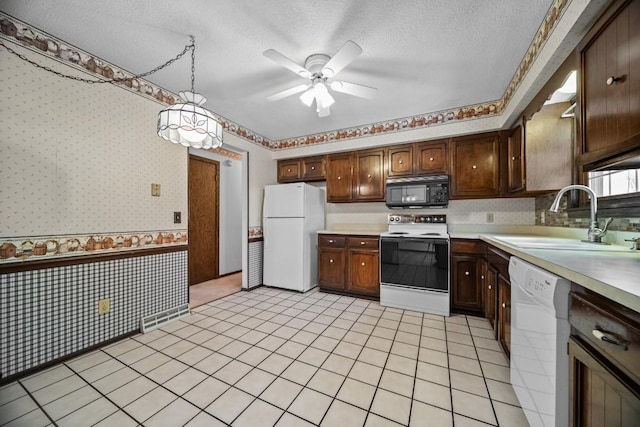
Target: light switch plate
<point>155,190</point>
<point>177,217</point>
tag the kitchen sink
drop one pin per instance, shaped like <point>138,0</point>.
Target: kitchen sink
<point>537,242</point>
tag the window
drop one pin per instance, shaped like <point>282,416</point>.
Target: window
<point>614,182</point>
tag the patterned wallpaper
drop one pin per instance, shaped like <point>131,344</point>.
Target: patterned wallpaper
<point>516,211</point>
<point>80,159</point>
<point>16,30</point>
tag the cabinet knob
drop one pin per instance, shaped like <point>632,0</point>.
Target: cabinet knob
<point>611,80</point>
<point>330,260</point>
<point>363,264</point>
<point>466,273</point>
<point>513,158</point>
<point>431,159</point>
<point>504,305</point>
<point>331,241</point>
<point>339,177</point>
<point>474,167</point>
<point>313,168</point>
<point>482,277</point>
<point>289,170</point>
<point>363,243</point>
<point>489,287</point>
<point>400,161</point>
<point>368,176</point>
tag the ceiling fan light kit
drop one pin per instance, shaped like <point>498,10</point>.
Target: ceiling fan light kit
<point>319,68</point>
<point>188,123</point>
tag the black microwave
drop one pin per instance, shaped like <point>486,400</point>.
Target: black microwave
<point>430,191</point>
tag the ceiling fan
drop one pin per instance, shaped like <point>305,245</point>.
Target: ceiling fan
<point>319,68</point>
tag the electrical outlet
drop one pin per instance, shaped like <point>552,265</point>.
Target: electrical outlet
<point>104,306</point>
<point>489,217</point>
<point>177,217</point>
<point>155,190</point>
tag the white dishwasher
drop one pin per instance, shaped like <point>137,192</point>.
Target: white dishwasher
<point>539,337</point>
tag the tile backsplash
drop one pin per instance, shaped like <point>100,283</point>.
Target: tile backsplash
<point>561,219</point>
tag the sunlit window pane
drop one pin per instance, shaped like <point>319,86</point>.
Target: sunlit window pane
<point>612,183</point>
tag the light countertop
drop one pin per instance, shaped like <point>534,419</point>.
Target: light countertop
<point>351,232</point>
<point>614,275</point>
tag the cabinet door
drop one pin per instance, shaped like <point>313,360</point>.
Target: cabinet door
<point>610,95</point>
<point>466,291</point>
<point>313,168</point>
<point>339,177</point>
<point>331,268</point>
<point>504,314</point>
<point>475,164</point>
<point>400,161</point>
<point>363,272</point>
<point>369,175</point>
<point>490,296</point>
<point>515,158</point>
<point>288,170</point>
<point>598,397</point>
<point>432,157</point>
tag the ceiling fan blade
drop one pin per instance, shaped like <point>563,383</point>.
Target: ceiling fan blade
<point>354,89</point>
<point>341,59</point>
<point>287,63</point>
<point>288,92</point>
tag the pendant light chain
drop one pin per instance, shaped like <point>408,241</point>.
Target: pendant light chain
<point>193,64</point>
<point>191,47</point>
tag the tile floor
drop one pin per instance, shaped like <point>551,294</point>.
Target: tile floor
<point>212,290</point>
<point>271,357</point>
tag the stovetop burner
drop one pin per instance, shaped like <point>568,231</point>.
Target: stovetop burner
<point>417,226</point>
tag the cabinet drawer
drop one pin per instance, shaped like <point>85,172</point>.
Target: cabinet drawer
<point>467,246</point>
<point>608,332</point>
<point>363,242</point>
<point>331,241</point>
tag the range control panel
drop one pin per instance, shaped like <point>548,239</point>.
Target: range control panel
<point>417,219</point>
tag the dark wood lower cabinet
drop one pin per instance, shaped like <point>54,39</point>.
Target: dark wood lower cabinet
<point>349,264</point>
<point>599,397</point>
<point>504,314</point>
<point>466,292</point>
<point>490,295</point>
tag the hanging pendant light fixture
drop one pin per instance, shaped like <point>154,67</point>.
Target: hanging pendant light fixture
<point>188,123</point>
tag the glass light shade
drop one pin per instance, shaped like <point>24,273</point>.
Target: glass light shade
<point>189,124</point>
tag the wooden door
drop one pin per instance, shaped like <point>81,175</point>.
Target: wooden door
<point>515,157</point>
<point>490,301</point>
<point>369,175</point>
<point>432,157</point>
<point>288,170</point>
<point>504,314</point>
<point>400,160</point>
<point>466,292</point>
<point>598,396</point>
<point>363,272</point>
<point>475,165</point>
<point>313,168</point>
<point>331,268</point>
<point>204,205</point>
<point>339,177</point>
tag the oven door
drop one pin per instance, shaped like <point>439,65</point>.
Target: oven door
<point>415,263</point>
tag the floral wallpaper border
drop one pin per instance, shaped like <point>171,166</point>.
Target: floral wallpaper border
<point>34,39</point>
<point>225,153</point>
<point>19,249</point>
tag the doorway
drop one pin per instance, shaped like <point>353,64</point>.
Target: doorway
<point>204,219</point>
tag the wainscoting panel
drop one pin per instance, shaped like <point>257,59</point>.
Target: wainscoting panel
<point>50,313</point>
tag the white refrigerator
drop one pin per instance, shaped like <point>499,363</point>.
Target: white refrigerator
<point>292,214</point>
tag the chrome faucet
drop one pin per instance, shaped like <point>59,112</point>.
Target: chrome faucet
<point>595,234</point>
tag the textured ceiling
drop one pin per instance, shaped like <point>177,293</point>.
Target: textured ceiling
<point>422,56</point>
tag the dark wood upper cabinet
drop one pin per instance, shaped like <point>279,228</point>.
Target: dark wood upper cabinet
<point>609,95</point>
<point>400,161</point>
<point>339,177</point>
<point>369,174</point>
<point>313,168</point>
<point>475,166</point>
<point>431,157</point>
<point>515,159</point>
<point>288,170</point>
